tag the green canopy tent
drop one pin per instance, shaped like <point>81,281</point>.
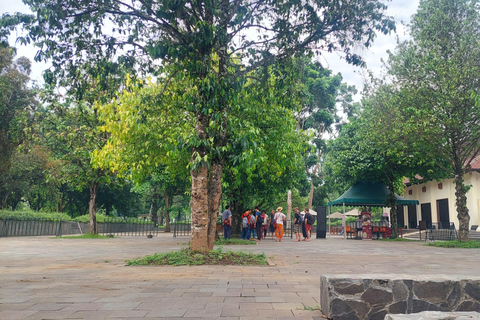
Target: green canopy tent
<point>370,194</point>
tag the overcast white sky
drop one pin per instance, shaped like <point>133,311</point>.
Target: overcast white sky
<point>401,10</point>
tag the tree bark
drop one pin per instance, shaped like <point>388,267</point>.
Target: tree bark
<point>393,210</point>
<point>314,173</point>
<point>91,208</point>
<point>461,204</point>
<point>214,197</point>
<point>154,206</point>
<point>199,208</point>
<point>167,212</point>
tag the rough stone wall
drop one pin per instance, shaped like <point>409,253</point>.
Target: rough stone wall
<point>372,297</point>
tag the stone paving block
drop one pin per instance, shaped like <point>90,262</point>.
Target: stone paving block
<point>15,306</point>
<point>196,294</point>
<point>166,313</point>
<point>15,314</point>
<point>256,305</point>
<point>83,306</point>
<point>275,313</point>
<point>128,313</point>
<point>270,299</point>
<point>208,299</point>
<point>50,315</point>
<point>223,305</point>
<point>213,290</point>
<point>89,315</point>
<point>241,299</point>
<point>307,313</point>
<point>119,305</point>
<point>288,306</point>
<point>242,312</point>
<point>47,306</point>
<point>203,313</point>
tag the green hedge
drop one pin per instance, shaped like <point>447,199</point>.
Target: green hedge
<point>26,214</point>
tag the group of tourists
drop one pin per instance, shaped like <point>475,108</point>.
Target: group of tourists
<point>256,224</point>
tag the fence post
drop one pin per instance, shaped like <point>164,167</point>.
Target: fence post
<point>174,228</point>
<point>4,232</point>
<point>59,229</point>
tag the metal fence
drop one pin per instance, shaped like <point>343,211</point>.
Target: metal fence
<point>127,227</point>
<point>181,227</point>
<point>30,227</point>
<point>57,227</point>
<point>444,231</point>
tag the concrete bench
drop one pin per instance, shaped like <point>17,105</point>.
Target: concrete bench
<point>373,296</point>
<point>435,315</point>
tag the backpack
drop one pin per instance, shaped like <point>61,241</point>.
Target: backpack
<point>259,220</point>
<point>245,222</point>
<point>299,219</point>
<point>310,219</point>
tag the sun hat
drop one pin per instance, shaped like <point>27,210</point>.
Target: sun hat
<point>279,209</point>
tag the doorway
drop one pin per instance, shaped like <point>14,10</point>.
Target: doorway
<point>426,211</point>
<point>443,214</point>
<point>412,216</point>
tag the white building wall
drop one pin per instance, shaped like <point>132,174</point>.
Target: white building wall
<point>433,193</point>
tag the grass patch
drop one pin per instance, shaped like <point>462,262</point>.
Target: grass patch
<point>187,257</point>
<point>472,244</point>
<point>222,242</point>
<point>86,236</point>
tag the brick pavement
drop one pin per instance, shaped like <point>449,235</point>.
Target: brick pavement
<point>47,278</point>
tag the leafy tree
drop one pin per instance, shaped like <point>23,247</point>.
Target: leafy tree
<point>375,147</point>
<point>16,99</point>
<point>322,92</point>
<point>438,73</point>
<point>69,125</point>
<point>215,44</point>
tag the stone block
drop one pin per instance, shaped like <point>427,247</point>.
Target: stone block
<point>372,297</point>
<point>435,315</point>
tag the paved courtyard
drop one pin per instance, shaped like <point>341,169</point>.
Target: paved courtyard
<point>48,278</point>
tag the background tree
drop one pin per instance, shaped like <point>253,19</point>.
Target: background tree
<point>16,106</point>
<point>438,71</point>
<point>376,147</point>
<point>321,93</point>
<point>69,125</point>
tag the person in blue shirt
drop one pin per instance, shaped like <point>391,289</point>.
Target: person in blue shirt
<point>227,223</point>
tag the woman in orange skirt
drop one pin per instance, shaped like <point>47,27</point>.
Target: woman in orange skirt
<point>279,218</point>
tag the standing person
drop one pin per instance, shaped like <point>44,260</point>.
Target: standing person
<point>279,218</point>
<point>246,226</point>
<point>227,223</point>
<point>309,221</point>
<point>258,223</point>
<point>253,220</point>
<point>264,224</point>
<point>304,231</point>
<point>297,225</point>
<point>358,223</point>
<point>272,223</point>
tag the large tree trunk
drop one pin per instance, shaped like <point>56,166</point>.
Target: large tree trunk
<point>154,206</point>
<point>199,209</point>
<point>393,210</point>
<point>214,197</point>
<point>91,208</point>
<point>462,210</point>
<point>167,212</point>
<point>314,173</point>
<point>207,177</point>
